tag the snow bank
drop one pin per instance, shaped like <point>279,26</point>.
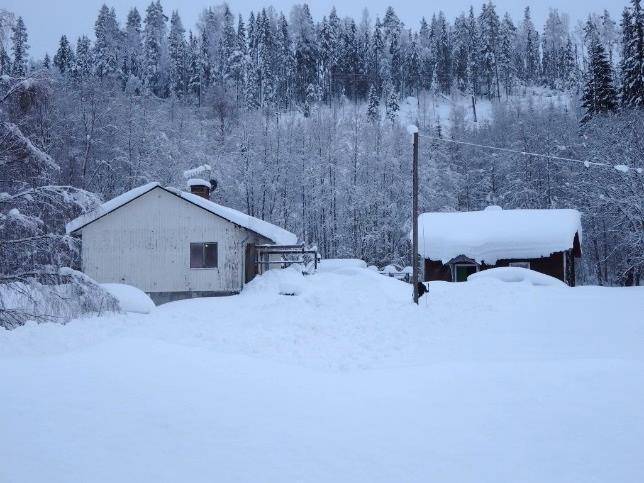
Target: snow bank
<point>493,234</point>
<point>334,264</point>
<point>516,275</point>
<point>130,299</point>
<point>347,382</point>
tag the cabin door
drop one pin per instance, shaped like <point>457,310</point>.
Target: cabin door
<point>250,262</point>
<point>462,271</point>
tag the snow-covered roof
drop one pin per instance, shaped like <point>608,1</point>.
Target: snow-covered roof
<point>268,230</point>
<point>494,234</point>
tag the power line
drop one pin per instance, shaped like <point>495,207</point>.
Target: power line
<point>619,167</point>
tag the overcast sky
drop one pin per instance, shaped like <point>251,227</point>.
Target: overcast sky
<point>46,20</point>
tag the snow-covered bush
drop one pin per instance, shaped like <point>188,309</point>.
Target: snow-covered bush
<point>51,296</point>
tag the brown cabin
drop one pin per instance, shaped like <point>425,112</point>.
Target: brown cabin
<point>455,245</point>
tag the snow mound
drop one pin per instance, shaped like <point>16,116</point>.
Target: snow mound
<point>130,299</point>
<point>517,275</point>
<point>335,264</point>
<point>287,281</point>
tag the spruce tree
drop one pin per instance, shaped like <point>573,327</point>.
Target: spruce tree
<point>133,61</point>
<point>599,95</point>
<point>507,40</point>
<point>5,62</point>
<point>490,26</point>
<point>46,62</point>
<point>107,45</point>
<point>84,60</point>
<point>19,48</point>
<point>64,57</point>
<point>155,78</point>
<point>177,51</point>
<point>632,66</point>
<point>373,107</point>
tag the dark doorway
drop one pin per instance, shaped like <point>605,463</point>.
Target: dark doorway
<point>250,263</point>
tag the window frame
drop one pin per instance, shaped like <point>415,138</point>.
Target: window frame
<point>203,266</point>
<point>520,265</point>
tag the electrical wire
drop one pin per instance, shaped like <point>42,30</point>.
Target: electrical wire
<point>587,164</point>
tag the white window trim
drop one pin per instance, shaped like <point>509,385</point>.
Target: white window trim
<point>520,264</point>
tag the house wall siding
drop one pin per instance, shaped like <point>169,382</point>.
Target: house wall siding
<point>146,243</point>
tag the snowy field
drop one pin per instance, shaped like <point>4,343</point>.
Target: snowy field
<point>347,381</point>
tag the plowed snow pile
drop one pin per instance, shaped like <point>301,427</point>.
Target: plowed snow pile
<point>342,380</point>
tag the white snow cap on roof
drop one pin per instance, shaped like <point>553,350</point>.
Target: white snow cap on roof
<point>199,182</point>
<point>268,230</point>
<point>494,234</point>
<point>197,172</point>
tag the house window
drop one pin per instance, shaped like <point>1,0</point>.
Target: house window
<point>520,264</point>
<point>463,270</point>
<point>203,255</point>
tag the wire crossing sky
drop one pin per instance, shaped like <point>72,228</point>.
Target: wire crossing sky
<point>619,167</point>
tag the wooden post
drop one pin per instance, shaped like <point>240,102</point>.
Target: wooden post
<point>414,255</point>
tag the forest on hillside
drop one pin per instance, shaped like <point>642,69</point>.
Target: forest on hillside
<point>303,123</point>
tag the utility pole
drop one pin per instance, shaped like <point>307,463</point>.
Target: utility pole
<point>414,217</point>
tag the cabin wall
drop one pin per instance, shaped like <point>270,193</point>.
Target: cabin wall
<point>552,265</point>
<point>146,243</point>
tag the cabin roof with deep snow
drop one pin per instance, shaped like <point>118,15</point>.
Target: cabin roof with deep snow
<point>494,234</point>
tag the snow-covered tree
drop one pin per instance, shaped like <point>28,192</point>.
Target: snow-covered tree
<point>64,58</point>
<point>20,49</point>
<point>599,96</point>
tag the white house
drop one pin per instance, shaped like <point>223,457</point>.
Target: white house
<point>172,244</point>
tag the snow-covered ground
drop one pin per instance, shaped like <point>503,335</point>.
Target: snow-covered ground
<point>347,381</point>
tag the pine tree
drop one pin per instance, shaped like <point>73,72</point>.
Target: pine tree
<point>194,67</point>
<point>285,61</point>
<point>530,68</point>
<point>473,55</point>
<point>107,45</point>
<point>5,62</point>
<point>19,48</point>
<point>155,50</point>
<point>377,56</point>
<point>599,95</point>
<point>507,41</point>
<point>490,26</point>
<point>228,45</point>
<point>443,54</point>
<point>238,58</point>
<point>177,51</point>
<point>373,107</point>
<point>64,57</point>
<point>84,59</point>
<point>632,67</point>
<point>133,56</point>
<point>46,62</point>
<point>412,67</point>
<point>392,105</point>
